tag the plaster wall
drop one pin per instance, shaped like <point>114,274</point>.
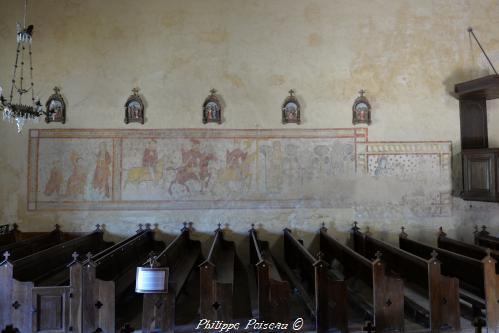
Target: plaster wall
<point>407,55</point>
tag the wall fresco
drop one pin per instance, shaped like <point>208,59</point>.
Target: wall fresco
<point>223,169</point>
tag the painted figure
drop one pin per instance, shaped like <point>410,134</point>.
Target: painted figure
<point>56,178</point>
<point>78,178</point>
<point>150,157</point>
<point>100,182</point>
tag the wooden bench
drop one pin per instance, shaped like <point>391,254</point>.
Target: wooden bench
<point>22,248</point>
<point>181,256</point>
<point>108,275</point>
<point>273,292</point>
<point>35,289</point>
<point>218,283</point>
<point>483,238</point>
<point>325,297</point>
<point>442,292</point>
<point>387,303</point>
<point>489,283</point>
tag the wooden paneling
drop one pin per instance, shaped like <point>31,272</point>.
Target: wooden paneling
<point>479,174</point>
<point>473,114</point>
<point>52,315</point>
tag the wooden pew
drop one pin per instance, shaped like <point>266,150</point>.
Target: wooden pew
<point>326,298</point>
<point>483,238</point>
<point>35,291</point>
<point>387,304</point>
<point>218,282</point>
<point>108,276</point>
<point>488,272</point>
<point>22,248</point>
<point>273,292</point>
<point>469,250</point>
<point>181,256</point>
<point>441,291</point>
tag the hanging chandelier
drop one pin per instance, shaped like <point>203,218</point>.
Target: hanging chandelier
<point>13,108</point>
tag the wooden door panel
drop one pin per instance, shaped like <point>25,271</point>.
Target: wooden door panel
<point>51,309</point>
<point>479,170</point>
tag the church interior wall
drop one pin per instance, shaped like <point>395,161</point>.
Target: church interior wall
<point>407,55</point>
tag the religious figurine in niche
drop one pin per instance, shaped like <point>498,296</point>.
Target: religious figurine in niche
<point>212,109</point>
<point>134,108</point>
<point>56,108</point>
<point>291,109</point>
<point>361,110</point>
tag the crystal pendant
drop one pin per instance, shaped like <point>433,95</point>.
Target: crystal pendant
<point>20,123</point>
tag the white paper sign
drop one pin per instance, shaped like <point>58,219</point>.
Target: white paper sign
<point>150,280</point>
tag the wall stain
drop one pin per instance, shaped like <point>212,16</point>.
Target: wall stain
<point>172,19</point>
<point>277,80</point>
<point>217,36</point>
<point>312,12</point>
<point>234,79</point>
<point>314,40</point>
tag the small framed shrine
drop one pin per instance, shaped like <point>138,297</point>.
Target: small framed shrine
<point>212,108</point>
<point>291,109</point>
<point>134,108</point>
<point>361,110</point>
<point>56,108</point>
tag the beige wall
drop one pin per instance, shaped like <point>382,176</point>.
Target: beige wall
<point>406,54</point>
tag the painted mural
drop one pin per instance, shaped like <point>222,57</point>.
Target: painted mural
<point>223,169</point>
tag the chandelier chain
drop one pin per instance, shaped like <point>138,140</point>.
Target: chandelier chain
<point>25,11</point>
<point>20,90</point>
<point>31,76</point>
<point>14,74</point>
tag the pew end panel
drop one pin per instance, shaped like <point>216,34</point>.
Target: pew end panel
<point>388,299</point>
<point>181,257</point>
<point>273,295</point>
<point>329,296</point>
<point>273,292</point>
<point>491,283</point>
<point>330,300</point>
<point>444,298</point>
<point>15,300</point>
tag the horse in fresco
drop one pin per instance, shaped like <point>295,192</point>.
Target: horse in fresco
<point>139,175</point>
<point>187,172</point>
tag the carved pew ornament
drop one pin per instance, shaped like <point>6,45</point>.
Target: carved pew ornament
<point>181,256</point>
<point>387,305</point>
<point>483,238</point>
<point>326,298</point>
<point>9,235</point>
<point>273,292</point>
<point>442,292</point>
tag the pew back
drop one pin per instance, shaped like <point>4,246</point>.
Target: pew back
<point>108,275</point>
<point>329,295</point>
<point>31,245</point>
<point>48,267</point>
<point>217,280</point>
<point>388,292</point>
<point>180,256</point>
<point>273,291</point>
<point>442,292</point>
